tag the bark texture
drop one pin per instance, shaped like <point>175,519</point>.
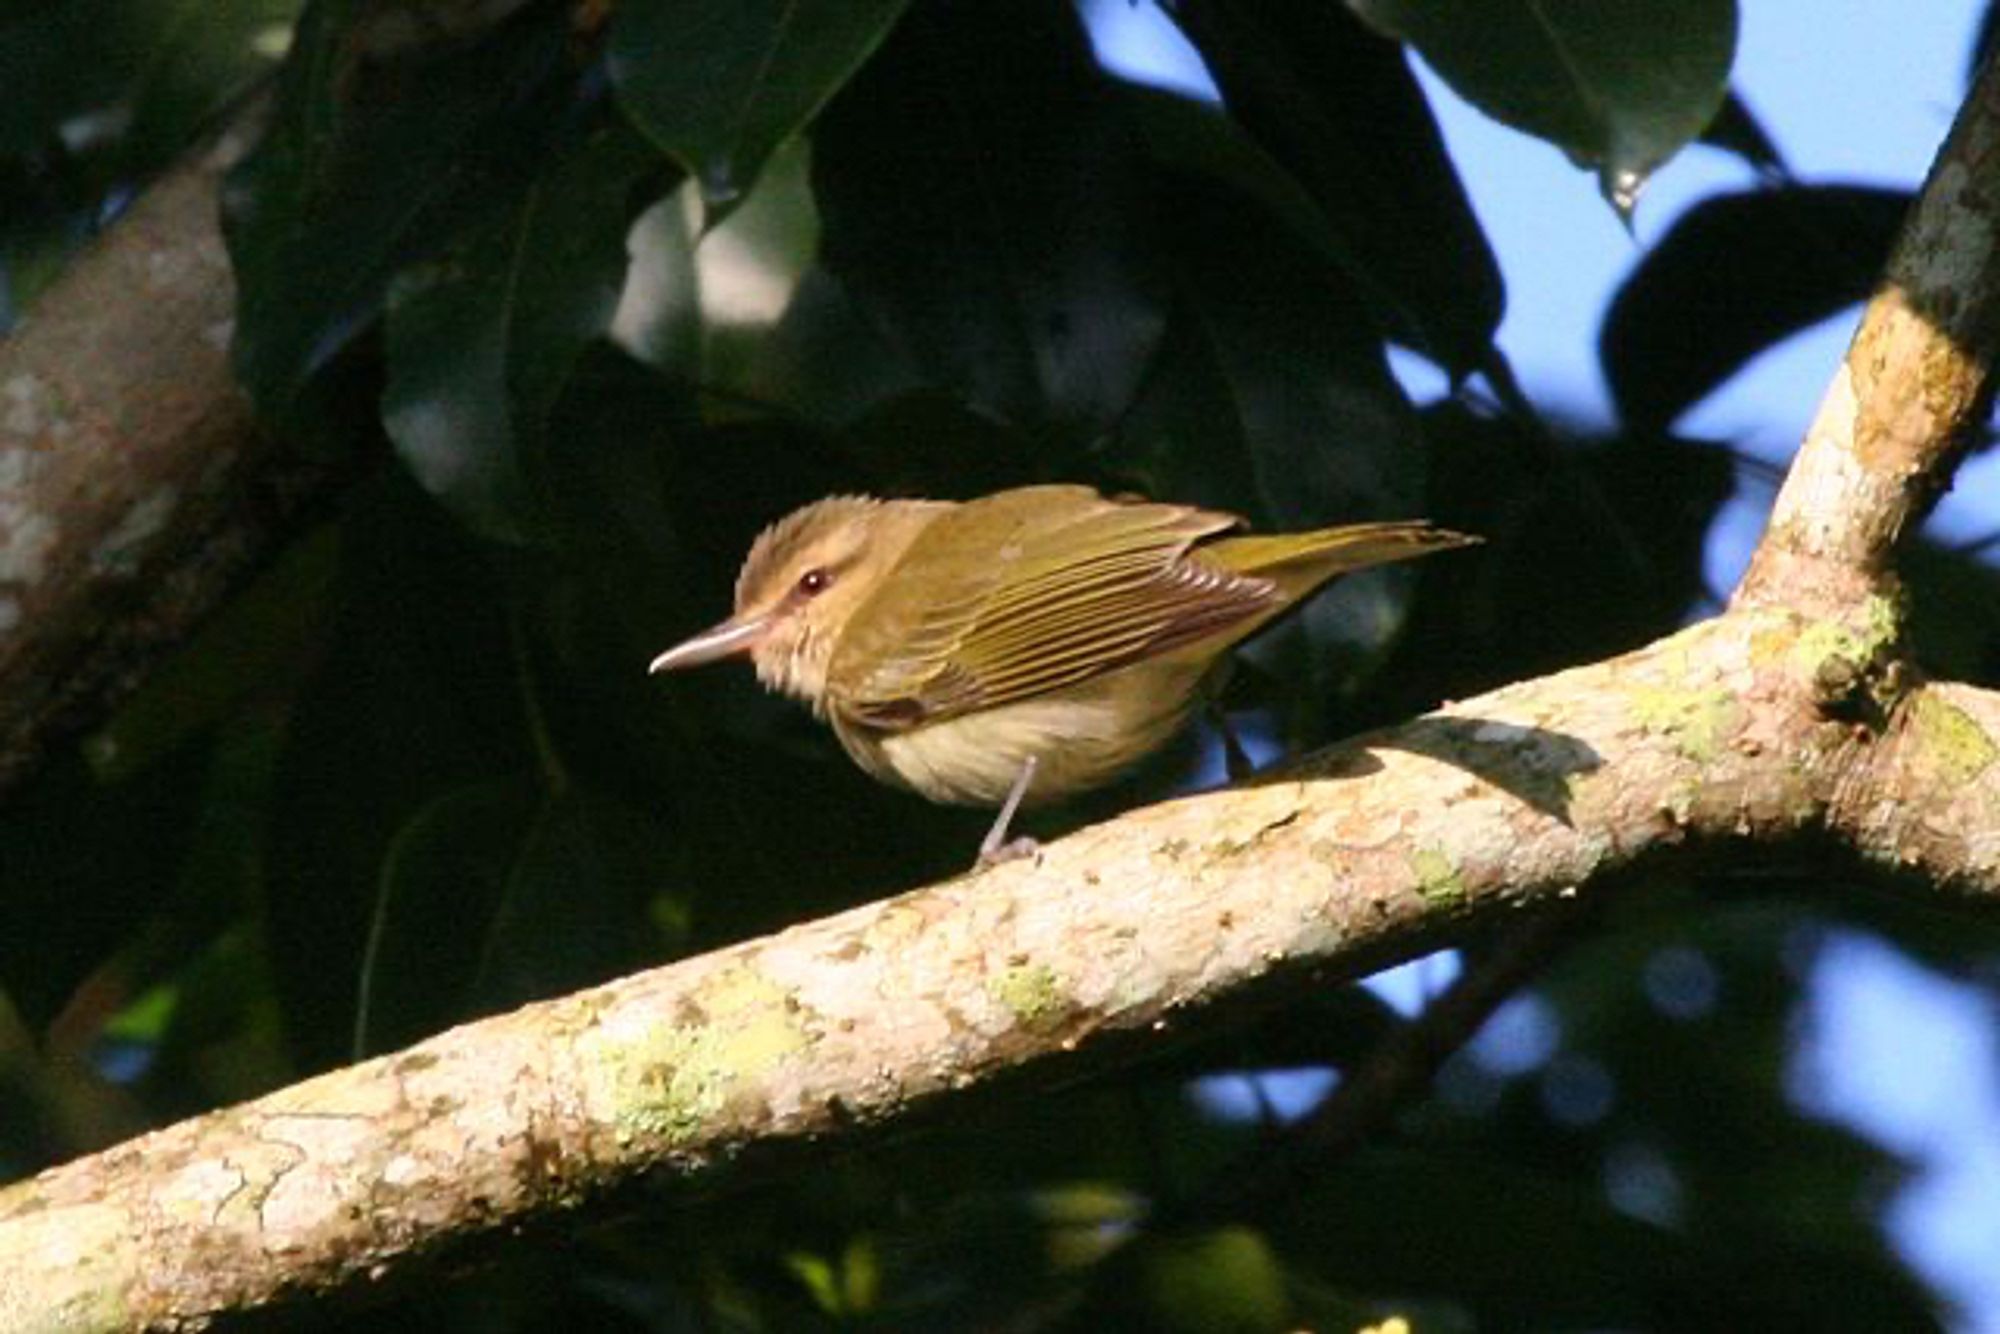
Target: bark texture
<point>748,1058</point>
<point>1911,395</point>
<point>135,489</point>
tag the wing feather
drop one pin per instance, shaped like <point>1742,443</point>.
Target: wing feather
<point>1031,591</point>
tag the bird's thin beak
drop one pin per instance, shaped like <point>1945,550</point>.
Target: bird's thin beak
<point>738,634</point>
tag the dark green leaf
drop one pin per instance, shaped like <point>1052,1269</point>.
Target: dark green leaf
<point>574,909</point>
<point>1620,85</point>
<point>200,57</point>
<point>1736,130</point>
<point>60,61</point>
<point>823,360</point>
<point>501,892</point>
<point>662,322</point>
<point>443,875</point>
<point>1705,1097</point>
<point>47,214</point>
<point>1954,612</point>
<point>98,95</point>
<point>1223,1280</point>
<point>445,404</point>
<point>1338,107</point>
<point>930,444</point>
<point>1194,140</point>
<point>1618,523</point>
<point>1273,398</point>
<point>418,695</point>
<point>743,312</point>
<point>217,1040</point>
<point>991,1252</point>
<point>222,1041</point>
<point>140,77</point>
<point>371,163</point>
<point>482,339</point>
<point>721,83</point>
<point>1734,275</point>
<point>1465,1226</point>
<point>258,637</point>
<point>608,474</point>
<point>987,207</point>
<point>87,862</point>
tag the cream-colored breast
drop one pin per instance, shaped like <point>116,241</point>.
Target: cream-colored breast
<point>1083,737</point>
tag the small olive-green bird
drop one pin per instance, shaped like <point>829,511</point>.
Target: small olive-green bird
<point>1031,644</point>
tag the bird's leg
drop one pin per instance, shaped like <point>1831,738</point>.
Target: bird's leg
<point>1235,760</point>
<point>997,847</point>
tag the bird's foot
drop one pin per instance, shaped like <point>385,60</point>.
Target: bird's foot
<point>1014,849</point>
<point>997,847</point>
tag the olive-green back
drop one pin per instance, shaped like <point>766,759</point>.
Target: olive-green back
<point>1040,588</point>
<point>1029,591</point>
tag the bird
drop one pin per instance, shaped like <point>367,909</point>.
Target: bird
<point>1022,647</point>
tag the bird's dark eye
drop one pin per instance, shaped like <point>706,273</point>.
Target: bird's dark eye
<point>814,582</point>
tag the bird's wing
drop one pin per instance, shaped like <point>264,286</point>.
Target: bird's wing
<point>1031,591</point>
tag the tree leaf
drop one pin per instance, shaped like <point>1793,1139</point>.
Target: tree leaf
<point>137,76</point>
<point>986,206</point>
<point>442,874</point>
<point>99,95</point>
<point>199,57</point>
<point>1619,85</point>
<point>1221,1280</point>
<point>1954,611</point>
<point>1285,371</point>
<point>574,908</point>
<point>1464,1224</point>
<point>87,863</point>
<point>1737,130</point>
<point>499,892</point>
<point>1618,522</point>
<point>1273,398</point>
<point>1191,139</point>
<point>482,339</point>
<point>737,311</point>
<point>372,162</point>
<point>259,636</point>
<point>57,62</point>
<point>1339,107</point>
<point>719,84</point>
<point>1732,276</point>
<point>416,696</point>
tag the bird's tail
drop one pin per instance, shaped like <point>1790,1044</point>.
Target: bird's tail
<point>1299,562</point>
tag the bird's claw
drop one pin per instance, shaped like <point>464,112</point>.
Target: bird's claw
<point>1013,850</point>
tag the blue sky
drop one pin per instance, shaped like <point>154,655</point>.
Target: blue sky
<point>1852,92</point>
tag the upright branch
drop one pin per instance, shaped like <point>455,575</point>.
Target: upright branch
<point>1912,395</point>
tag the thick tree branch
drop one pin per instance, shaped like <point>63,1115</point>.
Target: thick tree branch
<point>1944,745</point>
<point>1788,724</point>
<point>1912,394</point>
<point>1034,972</point>
<point>134,487</point>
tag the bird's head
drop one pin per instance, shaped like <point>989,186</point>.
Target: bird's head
<point>804,579</point>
